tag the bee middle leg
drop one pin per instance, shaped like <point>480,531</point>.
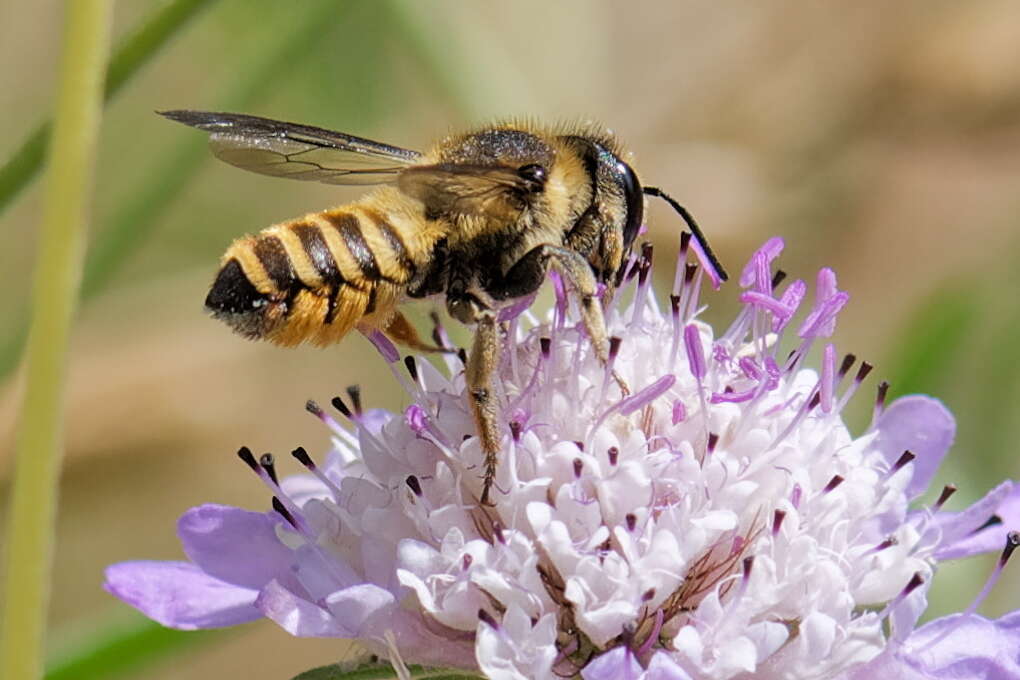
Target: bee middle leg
<point>481,366</point>
<point>528,273</point>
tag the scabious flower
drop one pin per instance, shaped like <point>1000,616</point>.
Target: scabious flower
<point>717,521</point>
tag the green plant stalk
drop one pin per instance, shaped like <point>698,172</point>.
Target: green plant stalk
<point>133,53</point>
<point>55,291</point>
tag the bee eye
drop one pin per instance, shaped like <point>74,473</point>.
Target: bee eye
<point>533,176</point>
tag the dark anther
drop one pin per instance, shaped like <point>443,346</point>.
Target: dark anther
<point>903,460</point>
<point>713,439</point>
<point>268,463</point>
<point>635,267</point>
<point>863,371</point>
<point>546,345</point>
<point>674,302</point>
<point>631,519</point>
<point>515,430</point>
<point>414,485</point>
<point>648,595</point>
<point>1012,542</point>
<point>486,618</point>
<point>777,521</point>
<point>436,327</point>
<point>947,491</point>
<point>462,355</point>
<point>245,454</point>
<point>883,389</point>
<point>887,543</point>
<point>685,242</point>
<point>816,399</point>
<point>497,531</point>
<point>303,457</point>
<point>614,455</point>
<point>748,564</point>
<point>614,347</point>
<point>848,361</point>
<point>339,405</point>
<point>578,467</point>
<point>992,521</point>
<point>778,278</point>
<point>412,367</point>
<point>915,582</point>
<point>833,483</point>
<point>354,392</point>
<point>313,408</point>
<point>689,271</point>
<point>534,177</point>
<point>279,507</point>
<point>579,445</point>
<point>466,561</point>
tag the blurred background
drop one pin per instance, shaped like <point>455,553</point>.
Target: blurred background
<point>882,139</point>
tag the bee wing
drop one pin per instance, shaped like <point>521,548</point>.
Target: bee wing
<point>295,151</point>
<point>463,188</point>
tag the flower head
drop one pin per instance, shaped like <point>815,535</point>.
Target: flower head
<point>716,522</point>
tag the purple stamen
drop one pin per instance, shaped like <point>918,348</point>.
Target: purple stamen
<point>679,412</point>
<point>732,397</point>
<point>777,521</point>
<point>302,457</point>
<point>833,483</point>
<point>780,312</point>
<point>384,346</point>
<point>790,299</point>
<point>653,636</point>
<point>828,382</point>
<point>821,322</point>
<point>681,258</point>
<point>902,462</point>
<point>417,419</point>
<point>768,252</point>
<point>883,389</point>
<point>947,491</point>
<point>695,353</point>
<point>795,496</point>
<point>647,395</point>
<point>268,463</point>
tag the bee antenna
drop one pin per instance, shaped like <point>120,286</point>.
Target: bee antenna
<point>695,229</point>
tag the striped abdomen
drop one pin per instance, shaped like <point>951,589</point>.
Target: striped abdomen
<point>312,279</point>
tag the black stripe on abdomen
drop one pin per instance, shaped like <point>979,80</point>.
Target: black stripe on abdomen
<point>394,241</point>
<point>318,253</point>
<point>347,226</point>
<point>273,256</point>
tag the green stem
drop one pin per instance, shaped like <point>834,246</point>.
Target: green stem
<point>130,56</point>
<point>55,291</point>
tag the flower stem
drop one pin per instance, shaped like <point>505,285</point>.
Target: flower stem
<point>55,291</point>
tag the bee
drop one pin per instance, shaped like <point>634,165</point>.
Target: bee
<point>479,219</point>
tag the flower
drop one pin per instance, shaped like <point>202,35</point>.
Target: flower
<point>719,521</point>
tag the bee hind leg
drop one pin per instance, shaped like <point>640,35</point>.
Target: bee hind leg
<point>400,330</point>
<point>481,366</point>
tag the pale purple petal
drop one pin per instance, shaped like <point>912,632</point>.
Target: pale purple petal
<point>298,616</point>
<point>960,530</point>
<point>967,646</point>
<point>662,667</point>
<point>234,545</point>
<point>616,664</point>
<point>919,424</point>
<point>179,595</point>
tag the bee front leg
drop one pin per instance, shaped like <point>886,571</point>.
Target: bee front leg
<point>481,366</point>
<point>530,270</point>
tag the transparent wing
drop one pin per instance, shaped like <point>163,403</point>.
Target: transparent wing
<point>295,151</point>
<point>492,190</point>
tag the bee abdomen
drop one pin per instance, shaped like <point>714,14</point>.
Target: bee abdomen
<point>310,279</point>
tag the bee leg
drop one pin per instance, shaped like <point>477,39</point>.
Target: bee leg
<point>481,365</point>
<point>400,330</point>
<point>575,269</point>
